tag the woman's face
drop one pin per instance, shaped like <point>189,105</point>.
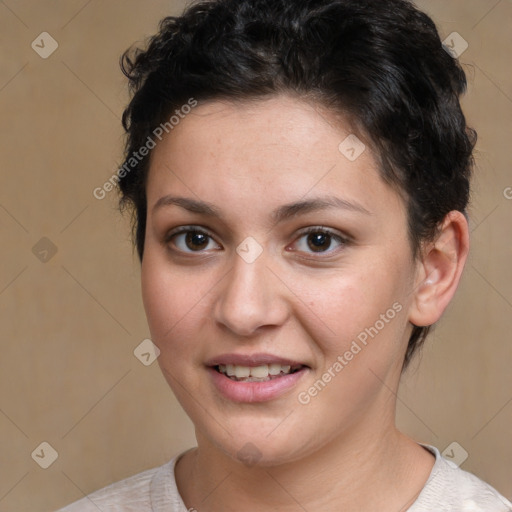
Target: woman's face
<point>310,327</point>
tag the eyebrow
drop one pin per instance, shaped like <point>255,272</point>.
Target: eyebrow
<point>280,214</point>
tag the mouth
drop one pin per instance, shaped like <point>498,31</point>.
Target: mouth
<point>261,373</point>
<point>253,378</point>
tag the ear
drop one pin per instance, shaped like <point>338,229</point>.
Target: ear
<point>439,270</point>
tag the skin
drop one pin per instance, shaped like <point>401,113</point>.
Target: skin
<point>342,450</point>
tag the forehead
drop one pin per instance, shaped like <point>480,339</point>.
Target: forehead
<point>268,151</point>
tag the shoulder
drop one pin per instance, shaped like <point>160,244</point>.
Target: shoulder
<point>451,489</point>
<point>139,493</point>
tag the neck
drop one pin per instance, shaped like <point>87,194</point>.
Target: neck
<point>366,468</point>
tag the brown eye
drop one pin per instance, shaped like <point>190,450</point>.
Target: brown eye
<point>191,240</point>
<point>319,240</point>
<point>196,240</point>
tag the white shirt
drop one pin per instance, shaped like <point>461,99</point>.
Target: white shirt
<point>448,489</point>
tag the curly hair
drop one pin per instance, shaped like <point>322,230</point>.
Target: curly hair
<point>378,63</point>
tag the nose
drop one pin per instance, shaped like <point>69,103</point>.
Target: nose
<point>250,297</point>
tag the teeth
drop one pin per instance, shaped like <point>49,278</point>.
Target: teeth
<point>242,371</point>
<point>257,372</point>
<point>274,369</point>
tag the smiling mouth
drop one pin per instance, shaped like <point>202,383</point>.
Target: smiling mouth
<point>262,373</point>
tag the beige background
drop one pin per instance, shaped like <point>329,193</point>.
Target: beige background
<point>69,326</point>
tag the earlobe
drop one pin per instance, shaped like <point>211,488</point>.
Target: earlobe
<point>439,270</point>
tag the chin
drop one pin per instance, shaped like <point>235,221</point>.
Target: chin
<point>259,445</point>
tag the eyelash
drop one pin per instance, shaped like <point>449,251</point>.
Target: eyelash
<point>343,241</point>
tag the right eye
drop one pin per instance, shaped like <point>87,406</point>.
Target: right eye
<point>190,240</point>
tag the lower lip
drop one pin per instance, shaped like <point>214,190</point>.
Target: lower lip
<point>239,391</point>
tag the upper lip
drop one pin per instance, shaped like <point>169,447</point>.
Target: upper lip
<point>251,360</point>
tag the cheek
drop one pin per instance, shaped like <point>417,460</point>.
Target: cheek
<point>178,306</point>
<point>359,331</point>
<point>351,301</point>
<point>171,300</point>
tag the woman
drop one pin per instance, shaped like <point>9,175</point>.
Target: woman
<point>299,173</point>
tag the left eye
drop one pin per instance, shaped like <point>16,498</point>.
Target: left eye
<point>318,241</point>
<point>192,240</point>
